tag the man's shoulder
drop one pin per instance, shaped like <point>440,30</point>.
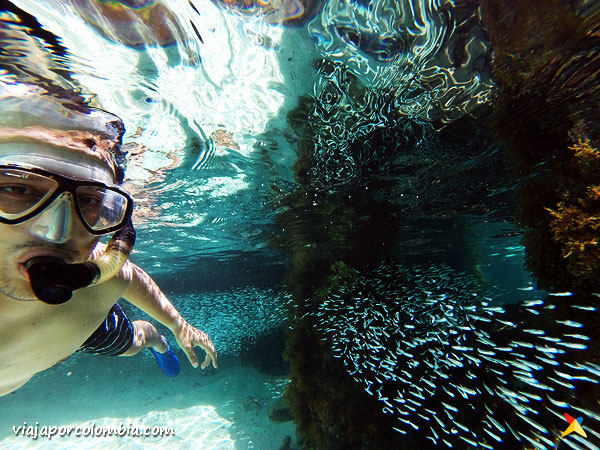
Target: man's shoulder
<point>106,293</point>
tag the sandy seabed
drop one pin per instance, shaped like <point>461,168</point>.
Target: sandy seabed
<point>226,408</point>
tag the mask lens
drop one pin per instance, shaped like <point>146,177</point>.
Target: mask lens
<point>21,192</point>
<point>100,207</point>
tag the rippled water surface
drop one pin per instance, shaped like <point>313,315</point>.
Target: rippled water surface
<point>208,114</point>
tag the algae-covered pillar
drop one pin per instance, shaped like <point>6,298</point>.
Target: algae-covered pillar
<point>329,234</point>
<point>547,115</point>
<point>328,237</point>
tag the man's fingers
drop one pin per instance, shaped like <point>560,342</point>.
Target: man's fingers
<point>213,356</point>
<point>191,354</point>
<point>201,339</point>
<point>209,348</point>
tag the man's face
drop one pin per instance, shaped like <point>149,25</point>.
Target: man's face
<point>56,231</point>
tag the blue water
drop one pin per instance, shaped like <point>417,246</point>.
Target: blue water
<point>268,140</point>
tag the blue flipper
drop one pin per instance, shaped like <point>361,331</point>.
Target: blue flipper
<point>168,362</point>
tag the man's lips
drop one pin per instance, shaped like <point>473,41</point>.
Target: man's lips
<point>65,256</point>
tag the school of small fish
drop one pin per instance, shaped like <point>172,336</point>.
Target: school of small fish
<point>234,319</point>
<point>450,363</point>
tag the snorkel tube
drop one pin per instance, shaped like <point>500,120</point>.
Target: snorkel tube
<point>53,280</point>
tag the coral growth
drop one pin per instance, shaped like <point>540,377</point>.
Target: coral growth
<point>586,156</point>
<point>575,222</point>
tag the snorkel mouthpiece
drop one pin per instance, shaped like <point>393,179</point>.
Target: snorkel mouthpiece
<point>53,280</point>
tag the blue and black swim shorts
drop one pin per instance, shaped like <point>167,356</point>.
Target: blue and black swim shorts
<point>113,337</point>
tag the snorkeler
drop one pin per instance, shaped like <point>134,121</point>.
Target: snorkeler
<point>61,168</point>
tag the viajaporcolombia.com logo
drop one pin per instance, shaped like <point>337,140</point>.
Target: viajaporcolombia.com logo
<point>91,430</point>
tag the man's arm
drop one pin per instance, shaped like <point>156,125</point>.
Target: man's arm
<point>144,293</point>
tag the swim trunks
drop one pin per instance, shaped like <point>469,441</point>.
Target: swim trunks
<point>113,337</point>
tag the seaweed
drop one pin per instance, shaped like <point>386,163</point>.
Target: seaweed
<point>575,222</point>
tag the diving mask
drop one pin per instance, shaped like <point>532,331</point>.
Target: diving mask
<point>26,192</point>
<point>27,188</point>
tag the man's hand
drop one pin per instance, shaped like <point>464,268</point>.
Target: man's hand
<point>146,295</point>
<point>188,337</point>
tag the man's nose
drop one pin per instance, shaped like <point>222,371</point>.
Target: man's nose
<point>55,222</point>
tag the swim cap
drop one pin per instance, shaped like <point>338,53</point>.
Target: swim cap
<point>61,118</point>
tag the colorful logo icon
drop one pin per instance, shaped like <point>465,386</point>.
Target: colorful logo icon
<point>574,426</point>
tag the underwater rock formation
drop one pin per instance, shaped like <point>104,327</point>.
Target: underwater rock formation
<point>331,411</point>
